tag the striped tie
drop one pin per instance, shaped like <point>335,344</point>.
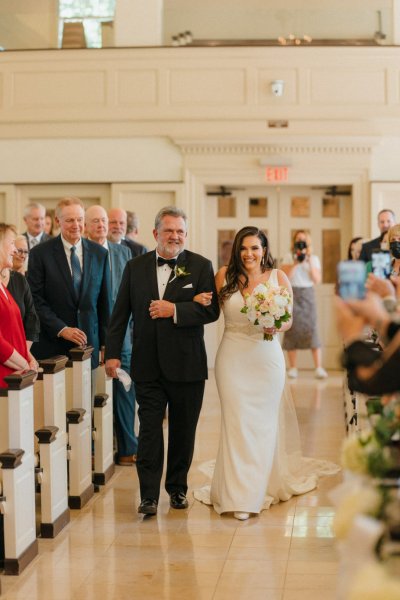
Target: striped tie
<point>76,271</point>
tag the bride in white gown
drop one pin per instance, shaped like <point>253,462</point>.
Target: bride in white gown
<point>259,459</point>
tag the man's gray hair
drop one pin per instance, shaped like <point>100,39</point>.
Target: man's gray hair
<point>31,205</point>
<point>169,211</point>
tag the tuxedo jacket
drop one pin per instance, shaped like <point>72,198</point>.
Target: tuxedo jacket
<point>161,347</point>
<point>368,248</point>
<point>45,237</point>
<point>56,303</point>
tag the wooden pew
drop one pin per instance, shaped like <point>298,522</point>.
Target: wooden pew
<point>79,426</point>
<point>103,435</point>
<point>51,433</point>
<point>18,472</point>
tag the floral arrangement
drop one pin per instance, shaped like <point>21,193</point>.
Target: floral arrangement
<point>268,306</point>
<point>372,489</point>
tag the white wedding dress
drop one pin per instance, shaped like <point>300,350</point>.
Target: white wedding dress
<point>259,459</point>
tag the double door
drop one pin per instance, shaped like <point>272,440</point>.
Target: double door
<point>280,211</point>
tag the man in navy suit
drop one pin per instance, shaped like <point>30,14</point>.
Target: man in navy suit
<point>96,227</point>
<point>169,362</point>
<point>70,282</point>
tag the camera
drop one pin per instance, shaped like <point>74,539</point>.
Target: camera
<point>298,250</point>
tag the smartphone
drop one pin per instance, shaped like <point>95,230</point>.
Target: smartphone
<point>381,263</point>
<point>351,276</point>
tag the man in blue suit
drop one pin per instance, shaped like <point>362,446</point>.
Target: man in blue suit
<point>70,282</point>
<point>96,227</point>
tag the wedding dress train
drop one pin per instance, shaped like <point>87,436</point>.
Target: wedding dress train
<point>259,460</point>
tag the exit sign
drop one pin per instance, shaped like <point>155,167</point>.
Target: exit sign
<point>277,174</point>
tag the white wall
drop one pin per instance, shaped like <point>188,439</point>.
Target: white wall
<point>252,19</point>
<point>89,160</point>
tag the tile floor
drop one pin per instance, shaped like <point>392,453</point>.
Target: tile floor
<point>108,552</point>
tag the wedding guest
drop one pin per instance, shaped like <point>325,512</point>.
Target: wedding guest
<point>14,352</point>
<point>20,258</point>
<point>254,467</point>
<point>34,216</point>
<point>49,224</point>
<point>96,228</point>
<point>132,228</point>
<point>354,249</point>
<point>304,271</point>
<point>386,219</point>
<point>369,372</point>
<point>118,222</point>
<point>169,363</point>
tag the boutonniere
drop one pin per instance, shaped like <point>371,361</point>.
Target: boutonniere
<point>179,272</point>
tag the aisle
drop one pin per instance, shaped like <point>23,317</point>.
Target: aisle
<point>109,553</point>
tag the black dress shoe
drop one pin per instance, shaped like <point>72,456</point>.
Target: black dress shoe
<point>148,506</point>
<point>178,500</point>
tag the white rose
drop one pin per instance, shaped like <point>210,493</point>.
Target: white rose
<point>267,321</point>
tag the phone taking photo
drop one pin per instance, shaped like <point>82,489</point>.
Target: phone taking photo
<point>381,263</point>
<point>351,276</point>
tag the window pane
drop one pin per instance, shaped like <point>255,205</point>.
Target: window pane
<point>330,207</point>
<point>330,254</point>
<point>258,207</point>
<point>226,206</point>
<point>300,206</point>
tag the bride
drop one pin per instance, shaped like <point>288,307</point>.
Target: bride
<point>259,459</point>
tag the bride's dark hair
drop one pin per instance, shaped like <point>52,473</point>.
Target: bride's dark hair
<point>235,267</point>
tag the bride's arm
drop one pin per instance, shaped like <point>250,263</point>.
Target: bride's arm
<point>283,280</point>
<point>205,297</point>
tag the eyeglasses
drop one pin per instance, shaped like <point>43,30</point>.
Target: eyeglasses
<point>22,252</point>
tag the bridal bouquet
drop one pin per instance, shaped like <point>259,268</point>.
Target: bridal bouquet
<point>268,306</point>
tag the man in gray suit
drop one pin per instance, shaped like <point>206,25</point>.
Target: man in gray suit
<point>96,228</point>
<point>34,217</point>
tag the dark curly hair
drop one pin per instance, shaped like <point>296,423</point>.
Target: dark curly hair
<point>235,267</point>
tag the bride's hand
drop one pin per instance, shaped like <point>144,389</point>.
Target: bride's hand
<point>270,330</point>
<point>204,298</point>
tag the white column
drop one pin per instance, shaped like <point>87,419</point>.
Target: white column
<point>138,23</point>
<point>396,22</point>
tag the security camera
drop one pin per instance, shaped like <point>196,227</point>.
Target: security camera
<point>277,87</point>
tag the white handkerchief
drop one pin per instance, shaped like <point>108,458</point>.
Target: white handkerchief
<point>189,285</point>
<point>124,378</point>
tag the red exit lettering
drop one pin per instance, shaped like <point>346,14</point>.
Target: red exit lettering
<point>277,174</point>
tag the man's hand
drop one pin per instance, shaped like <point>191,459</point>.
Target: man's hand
<point>161,309</point>
<point>112,364</point>
<point>74,335</point>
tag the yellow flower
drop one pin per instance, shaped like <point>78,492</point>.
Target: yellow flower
<point>372,582</point>
<point>364,500</point>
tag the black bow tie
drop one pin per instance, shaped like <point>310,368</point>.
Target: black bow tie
<point>171,262</point>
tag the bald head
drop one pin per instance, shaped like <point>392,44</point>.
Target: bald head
<point>96,224</point>
<point>117,222</point>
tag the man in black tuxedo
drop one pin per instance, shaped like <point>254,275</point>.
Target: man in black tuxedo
<point>117,226</point>
<point>69,277</point>
<point>169,363</point>
<point>386,220</point>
